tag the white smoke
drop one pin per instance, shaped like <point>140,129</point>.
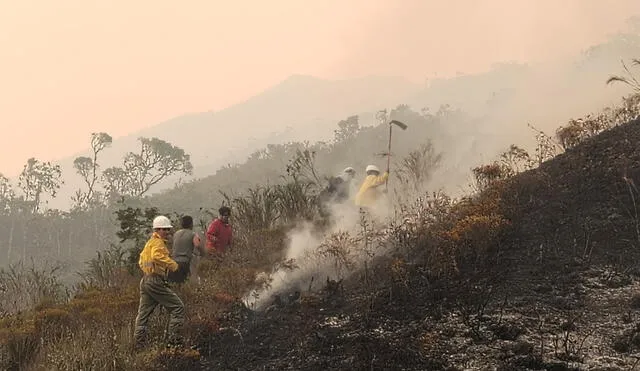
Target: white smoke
<point>305,244</point>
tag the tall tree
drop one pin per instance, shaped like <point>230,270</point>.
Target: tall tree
<point>7,194</point>
<point>87,168</point>
<point>347,129</point>
<point>156,160</point>
<point>115,183</point>
<point>38,178</point>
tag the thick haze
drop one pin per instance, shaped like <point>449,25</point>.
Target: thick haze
<point>71,67</point>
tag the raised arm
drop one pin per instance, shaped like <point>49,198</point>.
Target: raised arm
<point>380,180</point>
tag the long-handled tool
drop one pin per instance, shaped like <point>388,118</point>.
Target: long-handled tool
<point>402,126</point>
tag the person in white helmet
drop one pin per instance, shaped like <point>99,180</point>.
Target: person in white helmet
<point>155,263</point>
<point>341,185</point>
<point>338,190</point>
<point>369,192</point>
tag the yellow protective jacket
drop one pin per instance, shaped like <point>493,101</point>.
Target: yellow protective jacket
<point>155,258</point>
<point>368,194</point>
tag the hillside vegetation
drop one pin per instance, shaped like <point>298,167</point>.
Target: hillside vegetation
<point>304,107</point>
<point>534,269</point>
<point>484,119</point>
<point>72,237</point>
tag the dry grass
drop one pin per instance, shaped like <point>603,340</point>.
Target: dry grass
<point>442,235</point>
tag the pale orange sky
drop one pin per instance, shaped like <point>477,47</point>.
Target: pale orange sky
<point>71,67</point>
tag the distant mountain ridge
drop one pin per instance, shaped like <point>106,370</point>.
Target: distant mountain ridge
<point>302,107</point>
<point>299,107</point>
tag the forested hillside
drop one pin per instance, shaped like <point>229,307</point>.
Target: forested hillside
<point>518,274</point>
<point>73,237</point>
<point>463,200</point>
<point>501,101</point>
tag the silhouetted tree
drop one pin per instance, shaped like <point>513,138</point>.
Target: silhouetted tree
<point>347,129</point>
<point>156,160</point>
<point>87,168</point>
<point>38,178</point>
<point>7,194</point>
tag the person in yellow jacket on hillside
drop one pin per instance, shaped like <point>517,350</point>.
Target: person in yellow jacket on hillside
<point>370,192</point>
<point>155,263</point>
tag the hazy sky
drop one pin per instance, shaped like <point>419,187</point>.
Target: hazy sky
<point>70,67</point>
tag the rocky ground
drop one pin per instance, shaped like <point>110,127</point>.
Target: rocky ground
<point>563,294</point>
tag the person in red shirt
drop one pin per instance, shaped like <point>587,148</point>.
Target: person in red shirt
<point>219,233</point>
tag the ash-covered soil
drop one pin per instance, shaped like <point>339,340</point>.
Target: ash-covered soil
<point>562,293</point>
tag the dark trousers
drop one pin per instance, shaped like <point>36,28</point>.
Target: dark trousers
<point>181,275</point>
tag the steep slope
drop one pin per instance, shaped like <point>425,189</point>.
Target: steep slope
<point>560,293</point>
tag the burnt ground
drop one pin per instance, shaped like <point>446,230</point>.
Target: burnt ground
<point>563,293</point>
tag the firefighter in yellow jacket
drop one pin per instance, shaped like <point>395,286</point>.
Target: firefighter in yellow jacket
<point>369,192</point>
<point>155,263</point>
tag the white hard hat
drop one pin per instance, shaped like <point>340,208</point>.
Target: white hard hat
<point>372,168</point>
<point>161,221</point>
<point>349,170</point>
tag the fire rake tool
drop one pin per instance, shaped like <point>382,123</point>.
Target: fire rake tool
<point>402,126</point>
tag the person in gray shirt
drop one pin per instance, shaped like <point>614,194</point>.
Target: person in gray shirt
<point>185,243</point>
